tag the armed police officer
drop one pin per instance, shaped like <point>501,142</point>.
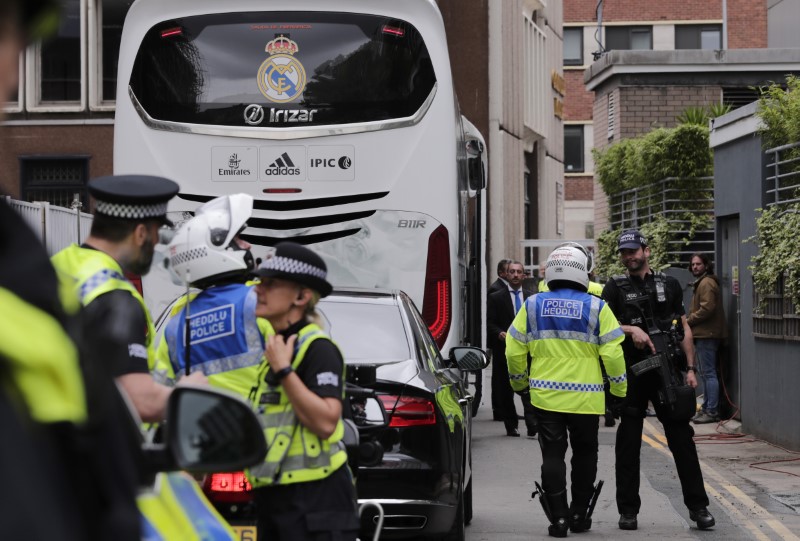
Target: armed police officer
<point>650,308</point>
<point>129,213</point>
<point>564,331</point>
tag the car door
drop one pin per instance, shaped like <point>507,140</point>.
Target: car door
<point>450,395</point>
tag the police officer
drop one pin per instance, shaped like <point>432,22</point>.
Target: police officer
<point>663,297</point>
<point>226,342</point>
<point>304,489</point>
<point>565,330</point>
<point>129,211</point>
<point>67,467</point>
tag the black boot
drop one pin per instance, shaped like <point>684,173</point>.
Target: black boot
<point>578,521</point>
<point>559,510</point>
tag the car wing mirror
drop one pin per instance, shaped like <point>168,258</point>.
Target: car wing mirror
<point>209,430</point>
<point>468,358</point>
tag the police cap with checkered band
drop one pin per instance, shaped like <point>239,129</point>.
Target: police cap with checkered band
<point>133,197</point>
<point>296,263</point>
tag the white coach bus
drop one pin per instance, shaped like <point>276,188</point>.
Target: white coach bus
<point>339,118</point>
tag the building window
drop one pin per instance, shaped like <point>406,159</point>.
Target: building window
<point>105,31</point>
<point>573,46</point>
<point>573,149</point>
<point>55,179</point>
<point>55,68</point>
<point>629,37</point>
<point>698,36</point>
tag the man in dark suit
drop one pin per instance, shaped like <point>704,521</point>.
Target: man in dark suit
<point>500,311</point>
<point>497,285</point>
<point>500,283</point>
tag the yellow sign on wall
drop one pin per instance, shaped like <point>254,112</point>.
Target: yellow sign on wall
<point>558,82</point>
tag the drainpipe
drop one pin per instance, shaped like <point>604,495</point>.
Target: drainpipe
<point>724,25</point>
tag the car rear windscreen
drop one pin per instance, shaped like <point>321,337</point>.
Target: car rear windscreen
<point>282,69</point>
<point>367,332</point>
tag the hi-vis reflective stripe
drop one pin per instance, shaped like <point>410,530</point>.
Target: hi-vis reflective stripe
<point>566,386</point>
<point>618,379</point>
<point>177,509</point>
<point>296,462</point>
<point>98,279</point>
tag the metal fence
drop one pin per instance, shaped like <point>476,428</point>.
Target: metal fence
<point>57,227</point>
<point>671,198</point>
<point>777,316</point>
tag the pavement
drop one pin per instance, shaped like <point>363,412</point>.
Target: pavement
<point>753,486</point>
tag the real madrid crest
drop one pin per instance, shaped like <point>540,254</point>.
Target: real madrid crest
<point>281,77</point>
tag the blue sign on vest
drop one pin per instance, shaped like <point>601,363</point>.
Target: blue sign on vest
<point>212,324</point>
<point>562,308</point>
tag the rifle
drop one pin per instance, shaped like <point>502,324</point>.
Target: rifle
<point>673,393</point>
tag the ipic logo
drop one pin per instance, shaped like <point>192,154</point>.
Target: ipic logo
<point>342,163</point>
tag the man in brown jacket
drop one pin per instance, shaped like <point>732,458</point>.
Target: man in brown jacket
<point>707,320</point>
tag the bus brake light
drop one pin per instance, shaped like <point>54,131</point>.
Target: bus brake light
<point>437,299</point>
<point>168,32</point>
<point>393,30</point>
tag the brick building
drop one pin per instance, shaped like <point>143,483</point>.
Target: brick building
<point>637,106</point>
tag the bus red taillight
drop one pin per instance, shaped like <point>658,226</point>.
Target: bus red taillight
<point>408,410</point>
<point>437,300</point>
<point>228,487</point>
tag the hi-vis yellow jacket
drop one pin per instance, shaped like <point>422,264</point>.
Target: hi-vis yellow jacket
<point>93,273</point>
<point>295,455</point>
<point>564,332</point>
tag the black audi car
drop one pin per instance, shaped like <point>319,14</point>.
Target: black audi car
<point>419,466</point>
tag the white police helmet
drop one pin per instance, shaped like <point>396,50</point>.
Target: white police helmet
<point>582,248</point>
<point>203,249</point>
<point>567,264</point>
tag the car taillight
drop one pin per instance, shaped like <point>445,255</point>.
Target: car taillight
<point>228,487</point>
<point>408,410</point>
<point>436,302</point>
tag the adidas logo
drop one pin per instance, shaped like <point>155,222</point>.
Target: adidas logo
<point>282,166</point>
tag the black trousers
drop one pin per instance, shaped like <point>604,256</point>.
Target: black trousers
<point>629,444</point>
<point>582,429</point>
<point>504,394</point>
<point>314,511</point>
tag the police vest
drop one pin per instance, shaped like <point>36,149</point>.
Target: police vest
<point>226,342</point>
<point>295,455</point>
<point>43,362</point>
<point>637,304</point>
<point>565,331</point>
<point>95,273</point>
<point>177,509</point>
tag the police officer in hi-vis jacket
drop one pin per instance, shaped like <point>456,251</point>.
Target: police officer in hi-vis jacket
<point>567,332</point>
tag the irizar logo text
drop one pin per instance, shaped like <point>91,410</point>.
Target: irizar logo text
<point>288,115</point>
<point>282,166</point>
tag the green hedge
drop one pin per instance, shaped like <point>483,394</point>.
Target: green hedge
<point>681,152</point>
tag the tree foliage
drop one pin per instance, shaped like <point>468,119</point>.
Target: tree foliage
<point>778,251</point>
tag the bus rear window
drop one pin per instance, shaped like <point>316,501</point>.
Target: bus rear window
<point>282,69</point>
